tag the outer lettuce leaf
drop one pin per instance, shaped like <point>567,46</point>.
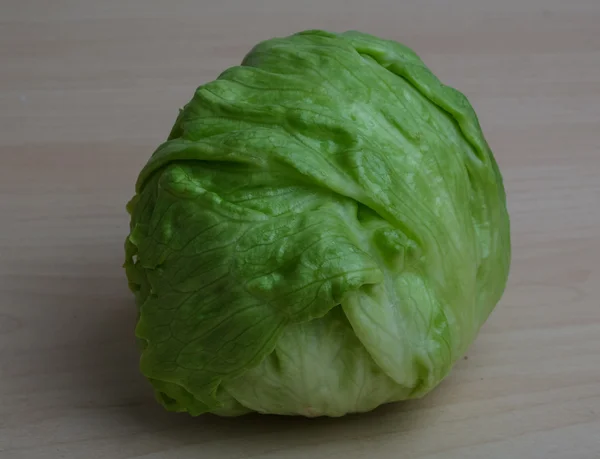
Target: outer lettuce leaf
<point>327,169</point>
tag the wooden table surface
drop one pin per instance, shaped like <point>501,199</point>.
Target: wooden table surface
<point>89,88</point>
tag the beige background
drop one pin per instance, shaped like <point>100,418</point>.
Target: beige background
<point>89,88</point>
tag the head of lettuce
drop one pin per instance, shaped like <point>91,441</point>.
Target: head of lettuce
<point>325,230</point>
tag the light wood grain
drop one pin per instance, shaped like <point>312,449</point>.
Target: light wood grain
<point>89,88</point>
